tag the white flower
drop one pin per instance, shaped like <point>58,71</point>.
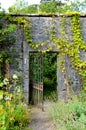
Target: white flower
<point>7,98</point>
<point>15,76</point>
<point>5,81</point>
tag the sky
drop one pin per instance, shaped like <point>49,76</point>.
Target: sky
<point>7,3</point>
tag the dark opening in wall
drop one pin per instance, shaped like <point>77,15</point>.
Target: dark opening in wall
<point>50,76</point>
<point>42,77</point>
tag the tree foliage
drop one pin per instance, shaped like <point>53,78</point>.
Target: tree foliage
<point>18,6</point>
<point>76,6</point>
<point>50,7</point>
<point>50,70</point>
<point>32,9</point>
<point>53,6</point>
<point>7,37</point>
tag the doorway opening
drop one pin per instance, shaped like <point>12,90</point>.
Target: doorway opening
<point>42,77</point>
<point>50,76</point>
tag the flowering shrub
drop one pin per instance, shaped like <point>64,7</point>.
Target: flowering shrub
<point>14,114</point>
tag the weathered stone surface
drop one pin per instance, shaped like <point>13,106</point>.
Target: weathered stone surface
<point>83,28</point>
<point>41,30</point>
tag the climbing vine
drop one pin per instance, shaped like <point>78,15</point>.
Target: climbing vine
<point>67,48</point>
<point>6,39</point>
<point>78,45</point>
<point>72,49</point>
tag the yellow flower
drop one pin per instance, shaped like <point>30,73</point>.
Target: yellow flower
<point>2,111</point>
<point>1,94</point>
<point>8,103</point>
<point>2,123</point>
<point>10,95</point>
<point>1,106</point>
<point>12,110</point>
<point>11,118</point>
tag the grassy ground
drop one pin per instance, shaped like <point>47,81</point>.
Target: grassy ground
<point>69,116</point>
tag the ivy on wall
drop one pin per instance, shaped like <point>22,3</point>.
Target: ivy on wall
<point>6,38</point>
<point>72,49</point>
<point>63,44</point>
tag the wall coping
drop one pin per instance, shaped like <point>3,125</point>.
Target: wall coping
<point>45,15</point>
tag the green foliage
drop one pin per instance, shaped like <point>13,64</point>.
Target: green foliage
<point>70,116</point>
<point>6,30</point>
<point>82,96</point>
<point>78,6</point>
<point>18,7</point>
<point>14,114</point>
<point>32,9</point>
<point>50,95</point>
<point>50,77</point>
<point>21,116</point>
<point>52,6</point>
<point>3,58</point>
<point>48,7</point>
<point>6,38</point>
<point>75,46</point>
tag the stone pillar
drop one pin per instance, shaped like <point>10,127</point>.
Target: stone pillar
<point>61,88</point>
<point>73,79</point>
<point>26,71</point>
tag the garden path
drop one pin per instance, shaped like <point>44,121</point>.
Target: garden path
<point>40,119</point>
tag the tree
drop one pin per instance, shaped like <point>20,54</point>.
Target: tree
<point>32,9</point>
<point>75,6</point>
<point>79,6</point>
<point>18,6</point>
<point>51,7</point>
<point>22,7</point>
<point>48,6</point>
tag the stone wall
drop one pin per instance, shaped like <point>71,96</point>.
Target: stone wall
<point>41,32</point>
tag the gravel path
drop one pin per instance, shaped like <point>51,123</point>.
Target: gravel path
<point>40,119</point>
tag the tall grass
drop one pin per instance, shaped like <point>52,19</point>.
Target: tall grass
<point>68,116</point>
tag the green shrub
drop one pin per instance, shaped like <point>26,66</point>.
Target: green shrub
<point>70,116</point>
<point>50,95</point>
<point>14,114</point>
<point>13,117</point>
<point>21,115</point>
<point>82,96</point>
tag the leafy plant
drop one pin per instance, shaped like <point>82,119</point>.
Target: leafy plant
<point>50,77</point>
<point>70,116</point>
<point>14,114</point>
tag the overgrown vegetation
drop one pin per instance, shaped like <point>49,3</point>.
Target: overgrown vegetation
<point>49,75</point>
<point>71,115</point>
<point>52,6</point>
<point>14,113</point>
